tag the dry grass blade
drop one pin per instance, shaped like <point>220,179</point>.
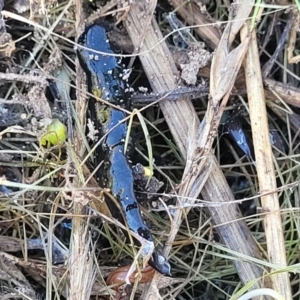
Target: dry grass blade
<point>265,167</point>
<point>146,134</point>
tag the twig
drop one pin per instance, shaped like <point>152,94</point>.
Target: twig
<point>23,78</point>
<point>265,167</point>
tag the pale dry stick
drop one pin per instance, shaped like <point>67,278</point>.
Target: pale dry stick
<point>23,78</point>
<point>81,265</point>
<point>162,74</point>
<point>265,167</point>
<point>81,87</point>
<point>290,94</point>
<point>292,40</point>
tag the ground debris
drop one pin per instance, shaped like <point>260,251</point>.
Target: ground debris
<point>198,58</point>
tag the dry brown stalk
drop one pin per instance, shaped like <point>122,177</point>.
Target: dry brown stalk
<point>81,265</point>
<point>290,94</point>
<point>265,167</point>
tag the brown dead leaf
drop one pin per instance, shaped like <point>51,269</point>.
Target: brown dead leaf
<point>226,63</point>
<point>225,74</point>
<point>241,14</point>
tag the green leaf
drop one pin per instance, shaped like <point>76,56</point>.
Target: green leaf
<point>56,133</point>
